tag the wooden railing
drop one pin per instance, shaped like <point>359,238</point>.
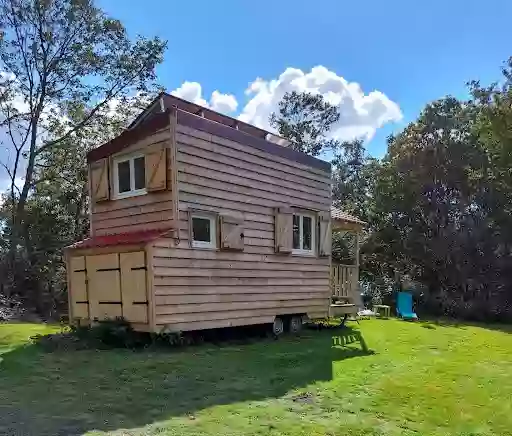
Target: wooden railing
<point>344,281</point>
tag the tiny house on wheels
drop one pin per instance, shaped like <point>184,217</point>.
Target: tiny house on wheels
<point>201,221</point>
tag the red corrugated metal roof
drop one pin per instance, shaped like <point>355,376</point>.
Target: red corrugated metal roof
<point>130,238</point>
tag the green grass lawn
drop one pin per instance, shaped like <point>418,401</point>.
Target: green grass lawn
<point>423,379</point>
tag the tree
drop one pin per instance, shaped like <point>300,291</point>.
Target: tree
<point>354,175</point>
<point>306,119</point>
<point>438,205</point>
<point>70,79</point>
<point>63,63</point>
<point>57,213</point>
<point>439,211</point>
<point>493,128</point>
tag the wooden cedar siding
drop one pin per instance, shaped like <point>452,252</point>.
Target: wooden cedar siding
<point>150,211</point>
<point>197,289</point>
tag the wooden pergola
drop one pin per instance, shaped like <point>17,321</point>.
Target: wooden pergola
<point>345,275</point>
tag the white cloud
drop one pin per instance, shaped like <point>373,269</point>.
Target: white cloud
<point>192,91</point>
<point>224,103</point>
<point>361,114</point>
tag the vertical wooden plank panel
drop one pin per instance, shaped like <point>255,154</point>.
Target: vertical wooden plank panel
<point>68,281</point>
<point>337,280</point>
<point>343,281</point>
<point>103,285</point>
<point>357,249</point>
<point>156,167</point>
<point>133,286</point>
<point>231,233</point>
<point>98,172</point>
<point>332,280</point>
<point>77,288</point>
<point>324,234</point>
<point>283,231</point>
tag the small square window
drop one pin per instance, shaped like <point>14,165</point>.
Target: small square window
<point>203,231</point>
<point>303,234</point>
<point>129,176</point>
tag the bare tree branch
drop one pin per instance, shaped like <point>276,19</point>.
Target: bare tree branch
<point>12,178</point>
<point>69,60</point>
<point>111,94</point>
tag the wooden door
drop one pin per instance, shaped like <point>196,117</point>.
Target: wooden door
<point>79,303</point>
<point>103,275</point>
<point>133,286</point>
<point>108,286</point>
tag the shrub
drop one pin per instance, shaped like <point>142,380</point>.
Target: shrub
<point>10,308</point>
<point>116,333</point>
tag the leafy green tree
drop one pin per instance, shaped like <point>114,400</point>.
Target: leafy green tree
<point>493,127</point>
<point>438,206</point>
<point>70,79</point>
<point>57,211</point>
<point>436,210</point>
<point>60,58</point>
<point>306,119</point>
<point>354,175</point>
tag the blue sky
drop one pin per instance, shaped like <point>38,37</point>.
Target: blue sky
<point>412,52</point>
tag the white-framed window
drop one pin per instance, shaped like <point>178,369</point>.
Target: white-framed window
<point>303,234</point>
<point>129,176</point>
<point>204,231</point>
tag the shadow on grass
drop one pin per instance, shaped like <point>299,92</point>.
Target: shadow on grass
<point>70,393</point>
<point>504,328</point>
<point>433,323</point>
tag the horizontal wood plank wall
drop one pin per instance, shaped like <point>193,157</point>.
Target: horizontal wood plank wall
<point>144,212</point>
<point>199,289</point>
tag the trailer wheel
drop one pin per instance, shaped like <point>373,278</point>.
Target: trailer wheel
<point>278,326</point>
<point>295,324</point>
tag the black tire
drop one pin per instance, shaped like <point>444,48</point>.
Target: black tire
<point>295,325</point>
<point>278,326</point>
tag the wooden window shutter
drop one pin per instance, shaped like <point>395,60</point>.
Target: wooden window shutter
<point>99,180</point>
<point>231,233</point>
<point>156,167</point>
<point>325,234</point>
<point>283,230</point>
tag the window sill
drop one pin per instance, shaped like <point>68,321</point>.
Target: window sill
<point>306,253</point>
<point>203,245</point>
<point>129,194</point>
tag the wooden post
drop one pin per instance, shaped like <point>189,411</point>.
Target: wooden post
<point>357,250</point>
<point>355,286</point>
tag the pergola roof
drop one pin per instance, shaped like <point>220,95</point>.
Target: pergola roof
<point>342,220</point>
<point>338,214</point>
